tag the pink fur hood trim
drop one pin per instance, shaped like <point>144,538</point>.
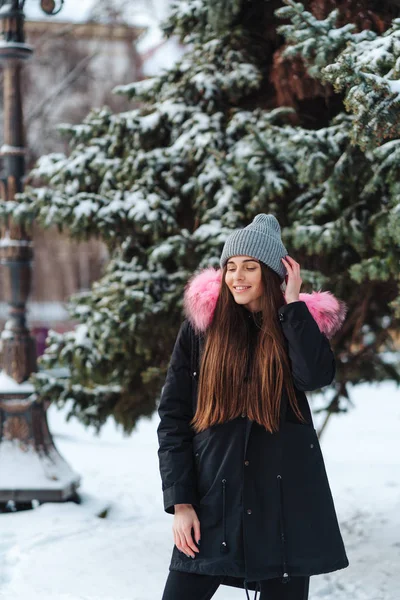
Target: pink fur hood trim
<point>202,290</point>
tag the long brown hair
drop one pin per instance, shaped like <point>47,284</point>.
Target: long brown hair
<point>223,394</point>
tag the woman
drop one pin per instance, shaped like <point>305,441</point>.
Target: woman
<point>240,462</point>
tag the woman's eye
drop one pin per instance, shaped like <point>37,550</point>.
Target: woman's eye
<point>248,269</point>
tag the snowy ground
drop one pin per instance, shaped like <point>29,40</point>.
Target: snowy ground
<point>66,552</point>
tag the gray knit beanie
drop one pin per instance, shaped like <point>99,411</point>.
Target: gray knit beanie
<point>261,239</point>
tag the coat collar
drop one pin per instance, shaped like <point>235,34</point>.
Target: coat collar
<point>202,290</point>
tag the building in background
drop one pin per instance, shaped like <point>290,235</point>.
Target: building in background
<point>74,68</point>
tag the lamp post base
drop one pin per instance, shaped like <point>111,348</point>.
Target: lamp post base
<point>31,468</point>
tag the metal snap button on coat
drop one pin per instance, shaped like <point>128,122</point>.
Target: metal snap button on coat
<point>281,317</point>
<point>249,511</point>
<point>246,462</point>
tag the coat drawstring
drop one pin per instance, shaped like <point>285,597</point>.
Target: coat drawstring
<point>224,545</point>
<point>258,589</point>
<point>285,578</point>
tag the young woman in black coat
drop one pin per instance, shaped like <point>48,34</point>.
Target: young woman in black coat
<point>241,466</point>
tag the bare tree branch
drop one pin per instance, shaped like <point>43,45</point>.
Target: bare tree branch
<point>59,89</point>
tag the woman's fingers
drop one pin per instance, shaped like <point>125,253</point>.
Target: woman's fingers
<point>177,539</point>
<point>190,545</point>
<point>293,279</point>
<point>290,261</point>
<point>291,265</point>
<point>184,545</point>
<point>287,264</point>
<point>196,527</point>
<point>183,538</point>
<point>180,542</point>
<point>185,520</point>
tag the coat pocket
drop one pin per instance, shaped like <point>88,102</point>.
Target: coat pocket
<point>207,467</point>
<point>302,457</point>
<point>212,513</point>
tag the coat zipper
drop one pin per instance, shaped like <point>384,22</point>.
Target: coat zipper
<point>224,546</point>
<point>285,577</point>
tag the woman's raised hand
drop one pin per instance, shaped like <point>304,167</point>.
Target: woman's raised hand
<point>293,279</point>
<point>185,518</point>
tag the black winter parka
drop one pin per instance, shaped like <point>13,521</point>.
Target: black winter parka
<point>263,500</point>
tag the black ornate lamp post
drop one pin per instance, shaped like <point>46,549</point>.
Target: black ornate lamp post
<point>30,466</point>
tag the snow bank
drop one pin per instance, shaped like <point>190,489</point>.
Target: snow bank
<point>67,552</point>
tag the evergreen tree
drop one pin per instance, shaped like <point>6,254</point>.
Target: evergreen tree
<point>207,147</point>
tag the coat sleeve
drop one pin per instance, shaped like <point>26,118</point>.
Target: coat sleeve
<point>174,433</point>
<point>311,357</point>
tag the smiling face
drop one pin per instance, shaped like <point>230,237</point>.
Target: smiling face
<point>243,278</point>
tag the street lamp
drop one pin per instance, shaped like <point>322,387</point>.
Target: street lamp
<point>50,7</point>
<point>31,468</point>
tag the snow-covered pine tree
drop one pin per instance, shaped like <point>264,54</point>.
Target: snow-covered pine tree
<point>206,148</point>
<point>363,65</point>
<point>363,188</point>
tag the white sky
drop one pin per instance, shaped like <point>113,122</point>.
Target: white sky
<point>144,12</point>
<point>77,10</point>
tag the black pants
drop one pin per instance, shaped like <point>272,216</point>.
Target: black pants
<point>192,586</point>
